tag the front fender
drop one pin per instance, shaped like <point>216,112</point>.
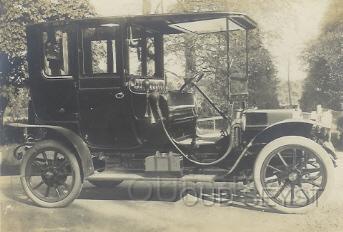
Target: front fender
<point>81,148</point>
<point>291,127</point>
<point>284,128</point>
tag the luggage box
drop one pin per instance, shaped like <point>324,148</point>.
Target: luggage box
<point>164,163</point>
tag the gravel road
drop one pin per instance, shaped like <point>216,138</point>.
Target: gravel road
<point>147,206</point>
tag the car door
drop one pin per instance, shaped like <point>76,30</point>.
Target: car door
<point>102,99</point>
<point>52,69</point>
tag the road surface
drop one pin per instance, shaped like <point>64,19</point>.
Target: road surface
<point>146,206</point>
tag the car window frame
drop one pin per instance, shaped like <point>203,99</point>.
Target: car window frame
<point>51,76</point>
<point>116,45</point>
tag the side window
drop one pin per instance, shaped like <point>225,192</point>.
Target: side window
<point>100,56</point>
<point>99,51</point>
<point>56,53</point>
<point>135,57</point>
<point>151,56</point>
<point>142,56</point>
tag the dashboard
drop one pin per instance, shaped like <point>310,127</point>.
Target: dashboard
<point>144,85</point>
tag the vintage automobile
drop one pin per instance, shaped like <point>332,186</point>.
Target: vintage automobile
<point>100,111</point>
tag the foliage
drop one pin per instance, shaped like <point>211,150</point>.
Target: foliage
<point>340,124</point>
<point>262,75</point>
<point>324,83</point>
<point>14,16</point>
<point>17,109</point>
<point>13,19</point>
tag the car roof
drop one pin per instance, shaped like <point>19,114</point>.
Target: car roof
<point>158,22</point>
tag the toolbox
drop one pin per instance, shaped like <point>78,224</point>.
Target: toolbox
<point>164,162</point>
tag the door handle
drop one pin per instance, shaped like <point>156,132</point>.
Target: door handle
<point>119,95</point>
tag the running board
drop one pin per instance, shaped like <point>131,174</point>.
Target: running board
<point>119,176</point>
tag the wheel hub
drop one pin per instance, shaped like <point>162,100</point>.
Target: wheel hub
<point>52,177</point>
<point>293,176</point>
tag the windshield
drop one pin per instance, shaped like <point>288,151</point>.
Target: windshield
<point>238,62</point>
<point>207,26</point>
<point>208,46</point>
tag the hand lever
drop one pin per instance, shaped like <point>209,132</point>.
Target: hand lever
<point>146,86</point>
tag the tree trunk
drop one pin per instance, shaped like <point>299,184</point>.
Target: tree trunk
<point>3,105</point>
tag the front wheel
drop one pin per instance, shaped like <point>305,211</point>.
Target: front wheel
<point>293,174</point>
<point>50,174</point>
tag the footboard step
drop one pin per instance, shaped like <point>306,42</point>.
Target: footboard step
<point>111,176</point>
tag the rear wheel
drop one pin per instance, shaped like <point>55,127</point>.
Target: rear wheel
<point>293,174</point>
<point>50,174</point>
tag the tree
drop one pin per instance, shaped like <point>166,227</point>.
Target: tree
<point>206,51</point>
<point>14,16</point>
<point>263,82</point>
<point>316,84</point>
<point>194,6</point>
<point>324,58</point>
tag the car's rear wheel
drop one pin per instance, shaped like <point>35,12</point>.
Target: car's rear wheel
<point>293,174</point>
<point>50,174</point>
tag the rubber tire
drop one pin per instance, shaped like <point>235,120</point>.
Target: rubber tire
<point>76,189</point>
<point>312,146</point>
<point>105,184</point>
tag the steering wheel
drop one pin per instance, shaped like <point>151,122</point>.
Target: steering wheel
<point>196,78</point>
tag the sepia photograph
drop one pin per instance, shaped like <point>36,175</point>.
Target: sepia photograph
<point>171,115</point>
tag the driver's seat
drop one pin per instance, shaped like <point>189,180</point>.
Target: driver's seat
<point>182,113</point>
<point>181,106</point>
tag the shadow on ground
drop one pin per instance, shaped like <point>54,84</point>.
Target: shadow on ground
<point>230,194</point>
<point>223,194</point>
<point>189,194</point>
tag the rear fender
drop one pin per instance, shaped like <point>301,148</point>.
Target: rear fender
<point>80,148</point>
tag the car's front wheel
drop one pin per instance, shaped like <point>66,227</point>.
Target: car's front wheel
<point>50,174</point>
<point>293,174</point>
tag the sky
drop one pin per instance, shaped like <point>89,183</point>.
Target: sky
<point>294,29</point>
